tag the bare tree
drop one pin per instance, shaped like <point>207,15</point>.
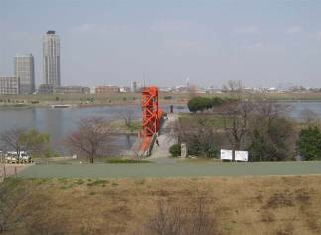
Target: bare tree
<point>236,122</point>
<point>128,118</point>
<point>202,220</point>
<point>194,219</point>
<point>270,109</point>
<point>271,135</point>
<point>11,139</point>
<point>3,171</point>
<point>235,88</point>
<point>309,117</point>
<point>91,138</point>
<point>198,133</point>
<point>21,139</point>
<point>167,221</point>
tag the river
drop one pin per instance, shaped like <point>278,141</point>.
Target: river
<point>60,122</point>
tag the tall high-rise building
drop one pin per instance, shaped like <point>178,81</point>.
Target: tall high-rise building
<point>51,58</point>
<point>24,69</point>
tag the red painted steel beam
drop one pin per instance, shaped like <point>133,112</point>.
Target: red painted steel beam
<point>151,116</point>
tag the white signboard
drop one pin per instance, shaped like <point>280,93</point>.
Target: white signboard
<point>242,156</point>
<point>226,154</point>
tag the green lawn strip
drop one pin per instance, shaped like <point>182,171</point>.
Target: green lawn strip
<point>129,170</point>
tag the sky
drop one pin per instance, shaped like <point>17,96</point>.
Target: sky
<point>264,43</point>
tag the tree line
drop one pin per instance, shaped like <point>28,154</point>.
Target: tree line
<point>200,103</point>
<point>259,126</point>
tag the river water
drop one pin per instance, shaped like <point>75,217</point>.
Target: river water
<point>60,122</point>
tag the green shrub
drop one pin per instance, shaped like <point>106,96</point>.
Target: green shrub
<point>98,182</point>
<point>309,143</point>
<point>175,150</point>
<point>204,103</point>
<point>213,152</point>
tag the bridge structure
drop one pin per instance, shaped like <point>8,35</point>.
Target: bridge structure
<point>151,120</point>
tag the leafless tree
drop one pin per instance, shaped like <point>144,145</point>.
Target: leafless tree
<point>271,135</point>
<point>194,219</point>
<point>235,88</point>
<point>167,221</point>
<point>236,121</point>
<point>128,118</point>
<point>91,138</point>
<point>270,109</point>
<point>197,132</point>
<point>310,117</point>
<point>11,139</point>
<point>3,171</point>
<point>202,220</point>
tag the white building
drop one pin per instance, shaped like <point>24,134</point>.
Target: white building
<point>51,58</point>
<point>9,85</point>
<point>24,69</point>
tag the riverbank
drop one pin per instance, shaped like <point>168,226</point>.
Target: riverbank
<point>237,205</point>
<point>84,100</point>
<point>117,99</point>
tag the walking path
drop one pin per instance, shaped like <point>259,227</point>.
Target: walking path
<point>160,153</point>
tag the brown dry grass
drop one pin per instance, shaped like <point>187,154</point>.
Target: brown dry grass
<point>243,205</point>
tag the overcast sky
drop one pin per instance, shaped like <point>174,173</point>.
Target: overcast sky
<point>261,42</point>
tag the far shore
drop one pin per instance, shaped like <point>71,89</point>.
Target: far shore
<point>115,104</point>
<point>132,99</point>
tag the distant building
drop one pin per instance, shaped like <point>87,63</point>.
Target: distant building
<point>25,70</point>
<point>124,89</point>
<point>9,85</point>
<point>46,89</point>
<point>272,89</point>
<point>106,89</point>
<point>92,90</point>
<point>71,90</point>
<point>133,86</point>
<point>51,58</point>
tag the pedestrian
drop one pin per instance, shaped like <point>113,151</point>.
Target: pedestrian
<point>157,142</point>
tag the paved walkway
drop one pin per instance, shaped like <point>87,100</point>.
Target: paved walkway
<point>160,153</point>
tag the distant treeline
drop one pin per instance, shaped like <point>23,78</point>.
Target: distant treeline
<point>205,103</point>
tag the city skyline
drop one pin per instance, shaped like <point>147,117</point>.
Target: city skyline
<point>262,44</point>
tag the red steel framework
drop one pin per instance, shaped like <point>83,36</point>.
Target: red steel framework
<point>152,115</point>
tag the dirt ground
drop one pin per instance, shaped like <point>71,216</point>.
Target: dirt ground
<point>282,205</point>
<point>7,170</point>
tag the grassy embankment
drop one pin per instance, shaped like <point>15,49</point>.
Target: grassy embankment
<point>134,98</point>
<point>86,100</point>
<point>119,127</point>
<point>243,205</point>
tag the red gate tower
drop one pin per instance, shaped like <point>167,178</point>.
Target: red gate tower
<point>151,115</point>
